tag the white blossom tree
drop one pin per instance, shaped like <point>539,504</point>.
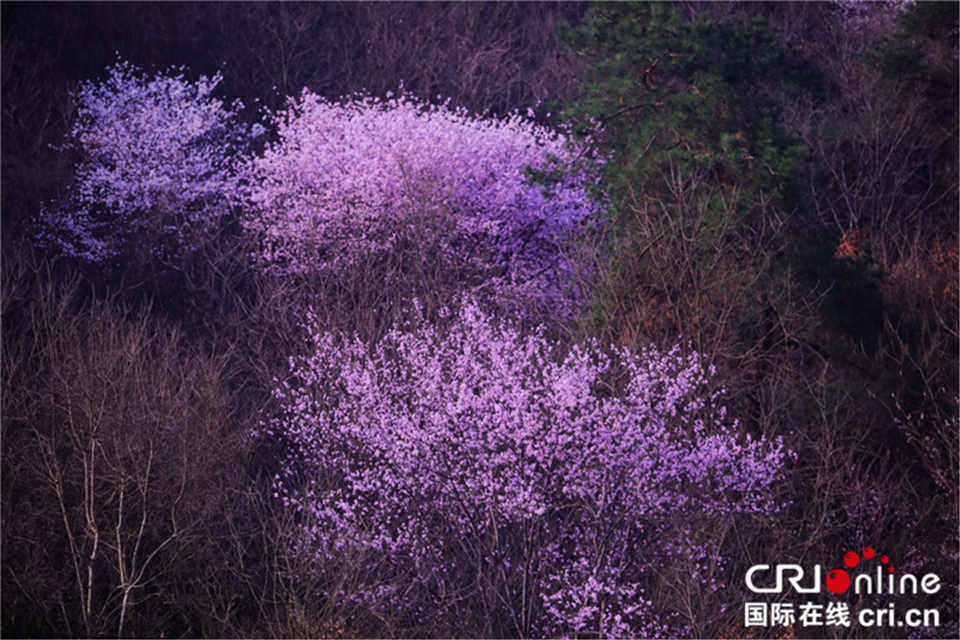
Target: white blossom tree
<point>474,473</point>
<point>404,183</point>
<point>157,169</point>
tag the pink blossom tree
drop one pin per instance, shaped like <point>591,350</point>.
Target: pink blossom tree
<point>157,171</point>
<point>478,474</point>
<point>396,179</point>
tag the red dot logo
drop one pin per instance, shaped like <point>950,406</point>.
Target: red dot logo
<point>838,581</point>
<point>851,559</point>
<point>868,553</point>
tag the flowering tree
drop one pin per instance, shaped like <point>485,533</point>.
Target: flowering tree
<point>157,170</point>
<point>401,181</point>
<point>473,474</point>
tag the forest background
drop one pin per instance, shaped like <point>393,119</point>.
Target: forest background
<point>777,197</point>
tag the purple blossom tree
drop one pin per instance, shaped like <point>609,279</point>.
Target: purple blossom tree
<point>157,170</point>
<point>476,473</point>
<point>365,179</point>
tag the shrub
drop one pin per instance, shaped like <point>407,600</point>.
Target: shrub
<point>419,188</point>
<point>124,446</point>
<point>470,476</point>
<point>156,171</point>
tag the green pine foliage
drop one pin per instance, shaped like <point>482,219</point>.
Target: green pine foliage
<point>688,118</point>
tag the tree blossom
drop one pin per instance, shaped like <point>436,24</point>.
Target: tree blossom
<point>477,458</point>
<point>157,170</point>
<point>364,178</point>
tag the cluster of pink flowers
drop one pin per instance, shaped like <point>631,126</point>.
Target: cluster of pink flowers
<point>362,178</point>
<point>453,461</point>
<point>158,166</point>
<point>476,454</point>
<point>355,182</point>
